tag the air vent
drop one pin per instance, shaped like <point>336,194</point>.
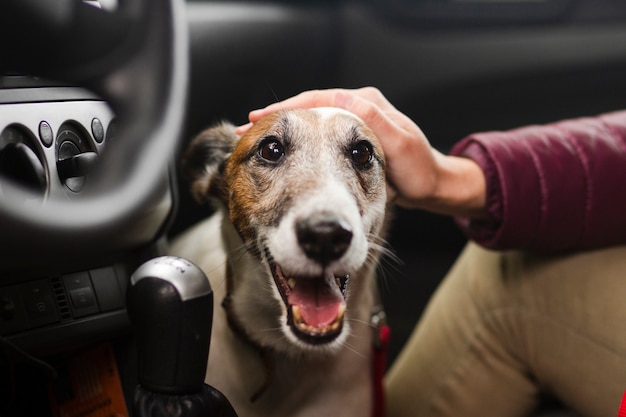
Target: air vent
<point>21,160</point>
<point>61,299</point>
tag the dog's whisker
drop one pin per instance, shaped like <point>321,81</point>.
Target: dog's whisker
<point>267,83</point>
<point>270,329</point>
<point>237,253</point>
<point>387,271</point>
<point>360,321</point>
<point>217,270</point>
<point>354,350</point>
<point>281,337</point>
<point>388,260</point>
<point>383,282</point>
<point>382,247</point>
<point>375,238</point>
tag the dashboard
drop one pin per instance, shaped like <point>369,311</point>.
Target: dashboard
<point>51,138</point>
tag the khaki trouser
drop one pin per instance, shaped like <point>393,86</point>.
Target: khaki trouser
<point>505,327</point>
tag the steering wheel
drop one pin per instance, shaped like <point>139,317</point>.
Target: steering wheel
<point>134,58</point>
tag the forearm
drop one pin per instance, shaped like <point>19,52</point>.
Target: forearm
<point>554,187</point>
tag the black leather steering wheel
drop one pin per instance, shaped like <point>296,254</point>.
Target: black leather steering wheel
<point>135,58</point>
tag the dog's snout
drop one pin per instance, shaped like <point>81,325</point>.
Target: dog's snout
<point>324,237</point>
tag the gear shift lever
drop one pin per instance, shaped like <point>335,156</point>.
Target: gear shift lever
<point>170,303</point>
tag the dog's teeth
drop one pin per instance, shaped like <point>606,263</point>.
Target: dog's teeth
<point>297,316</point>
<point>292,283</point>
<point>341,311</point>
<point>306,327</point>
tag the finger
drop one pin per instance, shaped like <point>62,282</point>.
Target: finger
<point>374,95</point>
<point>346,98</point>
<point>240,130</point>
<point>372,115</point>
<point>306,99</point>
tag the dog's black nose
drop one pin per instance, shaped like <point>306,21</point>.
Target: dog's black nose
<point>324,237</point>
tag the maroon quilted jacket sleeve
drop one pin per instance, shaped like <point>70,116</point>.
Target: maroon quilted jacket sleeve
<point>553,187</point>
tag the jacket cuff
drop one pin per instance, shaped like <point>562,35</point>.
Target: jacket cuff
<point>483,231</point>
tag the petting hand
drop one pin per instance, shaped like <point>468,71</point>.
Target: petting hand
<point>421,176</point>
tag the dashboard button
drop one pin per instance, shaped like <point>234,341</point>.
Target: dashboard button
<point>82,295</point>
<point>12,314</point>
<point>107,289</point>
<point>97,130</point>
<point>39,302</point>
<point>83,301</point>
<point>76,155</point>
<point>45,133</point>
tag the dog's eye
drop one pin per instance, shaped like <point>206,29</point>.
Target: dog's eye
<point>271,150</point>
<point>362,153</point>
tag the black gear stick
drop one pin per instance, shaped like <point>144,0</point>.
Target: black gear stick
<point>170,304</point>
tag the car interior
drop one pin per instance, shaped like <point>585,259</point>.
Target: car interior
<point>98,99</point>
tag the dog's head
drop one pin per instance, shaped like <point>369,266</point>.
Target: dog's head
<point>305,192</point>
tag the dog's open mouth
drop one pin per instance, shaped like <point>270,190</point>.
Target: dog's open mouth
<point>315,304</point>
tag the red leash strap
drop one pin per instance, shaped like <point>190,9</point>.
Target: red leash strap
<point>382,335</point>
<point>622,407</point>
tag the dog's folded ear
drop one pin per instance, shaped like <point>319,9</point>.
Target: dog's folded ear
<point>203,161</point>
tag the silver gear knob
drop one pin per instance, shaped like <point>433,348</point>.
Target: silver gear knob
<point>170,304</point>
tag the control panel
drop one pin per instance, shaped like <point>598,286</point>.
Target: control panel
<point>50,147</point>
<point>61,299</point>
<point>51,138</point>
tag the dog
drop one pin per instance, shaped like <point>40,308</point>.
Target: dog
<point>292,252</point>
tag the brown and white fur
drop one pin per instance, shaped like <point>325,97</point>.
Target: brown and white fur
<point>302,210</point>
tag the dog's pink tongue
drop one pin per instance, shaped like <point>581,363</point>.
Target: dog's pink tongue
<point>319,305</point>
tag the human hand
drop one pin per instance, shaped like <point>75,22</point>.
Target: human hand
<point>420,176</point>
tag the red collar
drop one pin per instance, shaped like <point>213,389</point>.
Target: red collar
<point>382,335</point>
<point>622,407</point>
